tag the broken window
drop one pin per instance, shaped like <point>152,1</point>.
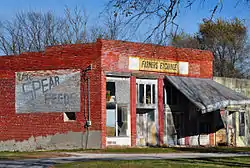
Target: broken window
<point>117,121</point>
<point>69,116</point>
<point>122,120</point>
<point>110,122</point>
<point>117,111</point>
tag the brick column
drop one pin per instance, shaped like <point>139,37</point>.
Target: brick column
<point>160,111</point>
<point>133,109</point>
<point>103,111</point>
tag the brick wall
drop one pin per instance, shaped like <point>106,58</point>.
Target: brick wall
<point>20,127</point>
<point>114,58</point>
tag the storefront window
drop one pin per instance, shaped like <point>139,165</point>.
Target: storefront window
<point>117,107</point>
<point>141,93</point>
<point>117,121</point>
<point>122,120</point>
<point>153,93</point>
<point>146,93</point>
<point>110,90</point>
<point>110,122</point>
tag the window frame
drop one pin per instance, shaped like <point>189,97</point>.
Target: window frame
<point>153,92</point>
<point>242,124</point>
<point>117,105</point>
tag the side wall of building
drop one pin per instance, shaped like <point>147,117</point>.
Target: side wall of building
<point>241,86</point>
<point>49,130</point>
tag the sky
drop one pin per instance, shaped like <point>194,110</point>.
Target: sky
<point>188,19</point>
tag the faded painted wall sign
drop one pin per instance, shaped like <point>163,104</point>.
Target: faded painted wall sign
<point>48,91</point>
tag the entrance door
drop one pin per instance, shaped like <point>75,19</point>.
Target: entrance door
<point>146,112</point>
<point>146,127</point>
<point>141,129</point>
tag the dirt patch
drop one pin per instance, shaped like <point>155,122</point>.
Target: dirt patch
<point>32,155</point>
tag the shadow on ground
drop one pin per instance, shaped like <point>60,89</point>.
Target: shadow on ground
<point>228,162</point>
<point>213,149</point>
<point>44,163</point>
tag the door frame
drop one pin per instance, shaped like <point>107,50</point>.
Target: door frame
<point>152,105</point>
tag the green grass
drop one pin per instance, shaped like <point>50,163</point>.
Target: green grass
<point>173,163</point>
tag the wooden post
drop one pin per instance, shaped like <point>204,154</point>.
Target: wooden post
<point>227,138</point>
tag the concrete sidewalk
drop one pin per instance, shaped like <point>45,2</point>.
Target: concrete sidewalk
<point>78,156</point>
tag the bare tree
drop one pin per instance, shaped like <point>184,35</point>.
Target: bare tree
<point>162,13</point>
<point>114,25</point>
<point>96,32</point>
<point>75,26</point>
<point>111,27</point>
<point>33,31</point>
<point>183,40</point>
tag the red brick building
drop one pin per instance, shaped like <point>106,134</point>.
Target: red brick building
<point>129,96</point>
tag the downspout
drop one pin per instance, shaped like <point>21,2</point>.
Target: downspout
<point>88,122</point>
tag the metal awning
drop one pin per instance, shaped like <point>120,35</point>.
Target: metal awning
<point>207,94</point>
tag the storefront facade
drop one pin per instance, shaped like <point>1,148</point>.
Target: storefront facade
<point>126,98</point>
